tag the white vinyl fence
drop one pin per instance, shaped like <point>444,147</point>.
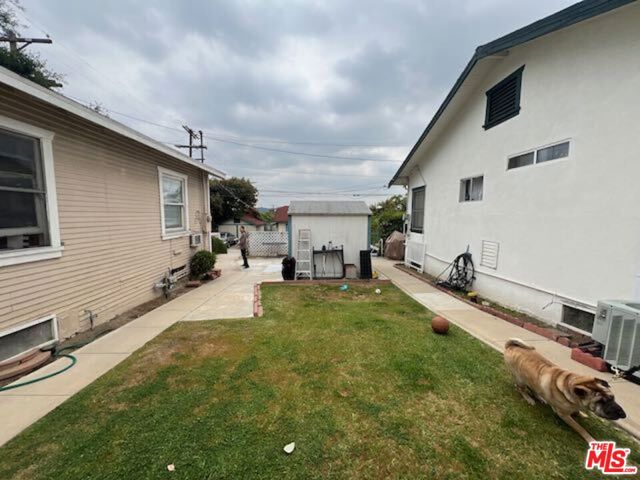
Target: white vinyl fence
<point>268,244</point>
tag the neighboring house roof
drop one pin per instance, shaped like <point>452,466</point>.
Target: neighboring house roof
<point>252,220</point>
<point>576,13</point>
<point>50,97</point>
<point>281,214</point>
<point>246,220</point>
<point>306,207</point>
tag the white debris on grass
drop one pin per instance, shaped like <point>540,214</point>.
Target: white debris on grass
<point>288,448</point>
<point>171,467</point>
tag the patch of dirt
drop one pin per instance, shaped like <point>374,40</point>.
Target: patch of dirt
<point>124,318</point>
<point>188,348</point>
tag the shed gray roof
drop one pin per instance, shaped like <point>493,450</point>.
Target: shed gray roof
<point>305,207</point>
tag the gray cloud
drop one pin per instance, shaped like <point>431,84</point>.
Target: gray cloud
<point>340,72</point>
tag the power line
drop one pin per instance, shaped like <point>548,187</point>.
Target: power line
<point>299,172</point>
<point>291,152</point>
<point>248,145</point>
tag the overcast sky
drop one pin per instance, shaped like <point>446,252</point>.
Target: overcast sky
<point>357,79</point>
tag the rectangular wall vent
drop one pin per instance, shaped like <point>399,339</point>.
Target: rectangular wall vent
<point>489,254</point>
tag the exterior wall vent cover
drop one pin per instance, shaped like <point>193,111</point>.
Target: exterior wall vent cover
<point>503,100</point>
<point>489,254</point>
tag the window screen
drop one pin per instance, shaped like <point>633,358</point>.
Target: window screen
<point>577,318</point>
<point>417,210</point>
<point>521,160</point>
<point>553,153</point>
<point>23,216</point>
<point>174,201</point>
<point>503,100</point>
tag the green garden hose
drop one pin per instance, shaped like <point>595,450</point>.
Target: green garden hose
<point>57,354</point>
<point>73,359</point>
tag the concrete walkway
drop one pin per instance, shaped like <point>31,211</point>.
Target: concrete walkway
<point>494,332</point>
<point>230,296</point>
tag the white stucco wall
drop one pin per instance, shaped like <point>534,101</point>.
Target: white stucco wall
<point>351,231</point>
<point>568,227</point>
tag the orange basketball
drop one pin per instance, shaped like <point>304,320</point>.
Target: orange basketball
<point>440,325</point>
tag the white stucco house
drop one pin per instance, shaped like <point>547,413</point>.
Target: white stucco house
<point>532,162</point>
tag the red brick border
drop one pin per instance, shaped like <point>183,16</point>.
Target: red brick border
<point>589,360</point>
<point>257,301</point>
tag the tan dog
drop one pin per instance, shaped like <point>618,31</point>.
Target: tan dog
<point>565,392</point>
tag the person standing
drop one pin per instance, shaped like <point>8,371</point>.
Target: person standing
<point>244,238</point>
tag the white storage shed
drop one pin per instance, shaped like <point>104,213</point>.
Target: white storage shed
<point>334,225</point>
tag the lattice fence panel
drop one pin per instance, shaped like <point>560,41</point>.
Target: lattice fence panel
<point>268,244</point>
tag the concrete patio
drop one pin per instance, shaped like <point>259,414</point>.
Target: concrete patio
<point>230,296</point>
<point>494,332</point>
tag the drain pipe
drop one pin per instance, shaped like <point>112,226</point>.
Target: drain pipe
<point>92,317</point>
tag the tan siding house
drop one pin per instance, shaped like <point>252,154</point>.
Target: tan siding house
<point>118,213</point>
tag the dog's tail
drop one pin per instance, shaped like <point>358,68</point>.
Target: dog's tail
<point>516,342</point>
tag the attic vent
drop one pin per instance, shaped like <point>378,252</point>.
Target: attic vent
<point>503,100</point>
<point>489,254</point>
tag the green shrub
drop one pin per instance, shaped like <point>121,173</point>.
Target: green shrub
<point>202,262</point>
<point>218,246</point>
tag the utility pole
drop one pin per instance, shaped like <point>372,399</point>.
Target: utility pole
<point>14,41</point>
<point>194,136</point>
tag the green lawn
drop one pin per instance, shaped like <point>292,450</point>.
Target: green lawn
<point>357,380</point>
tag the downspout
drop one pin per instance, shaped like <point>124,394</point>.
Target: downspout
<point>207,210</point>
<point>289,235</point>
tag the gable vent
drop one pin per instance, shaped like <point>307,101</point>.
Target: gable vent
<point>503,100</point>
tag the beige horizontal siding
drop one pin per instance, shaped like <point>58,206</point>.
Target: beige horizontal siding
<point>109,209</point>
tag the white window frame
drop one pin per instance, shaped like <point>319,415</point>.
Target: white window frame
<point>45,137</point>
<point>169,233</point>
<point>471,178</point>
<point>422,210</point>
<point>535,154</point>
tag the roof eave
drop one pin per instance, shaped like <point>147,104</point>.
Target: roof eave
<point>60,101</point>
<point>564,18</point>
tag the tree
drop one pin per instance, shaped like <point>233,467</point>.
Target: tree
<point>267,216</point>
<point>387,216</point>
<point>26,64</point>
<point>232,198</point>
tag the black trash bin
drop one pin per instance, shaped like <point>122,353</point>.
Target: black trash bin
<point>288,268</point>
<point>365,265</point>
